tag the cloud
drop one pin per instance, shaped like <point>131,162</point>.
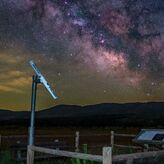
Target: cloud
<point>15,84</point>
<point>12,79</point>
<point>8,59</point>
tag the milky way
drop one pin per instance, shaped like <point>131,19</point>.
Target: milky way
<point>120,39</point>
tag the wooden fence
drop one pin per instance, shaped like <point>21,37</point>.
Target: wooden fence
<point>77,136</point>
<point>113,135</point>
<point>19,149</point>
<point>106,151</point>
<point>106,157</point>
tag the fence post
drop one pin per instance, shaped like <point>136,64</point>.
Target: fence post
<point>85,150</point>
<point>112,139</point>
<point>77,141</point>
<point>130,161</point>
<point>30,156</point>
<point>146,147</point>
<point>18,151</point>
<point>107,155</point>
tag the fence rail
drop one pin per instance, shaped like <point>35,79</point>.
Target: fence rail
<point>124,135</point>
<point>67,135</point>
<point>128,146</point>
<point>133,156</point>
<point>113,135</point>
<point>106,158</point>
<point>37,136</point>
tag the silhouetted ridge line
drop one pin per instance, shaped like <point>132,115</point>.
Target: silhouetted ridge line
<point>106,114</point>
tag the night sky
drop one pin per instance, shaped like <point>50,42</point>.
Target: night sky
<point>91,51</point>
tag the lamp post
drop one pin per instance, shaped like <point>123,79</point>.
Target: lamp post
<point>36,79</point>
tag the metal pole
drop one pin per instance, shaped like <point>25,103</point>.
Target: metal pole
<point>35,80</point>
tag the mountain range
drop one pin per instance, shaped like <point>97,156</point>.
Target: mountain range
<point>107,114</point>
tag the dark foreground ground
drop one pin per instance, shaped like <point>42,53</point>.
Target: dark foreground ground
<point>94,137</point>
<point>94,123</point>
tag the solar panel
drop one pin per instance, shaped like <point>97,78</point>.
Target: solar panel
<point>159,137</point>
<point>150,136</point>
<point>43,80</point>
